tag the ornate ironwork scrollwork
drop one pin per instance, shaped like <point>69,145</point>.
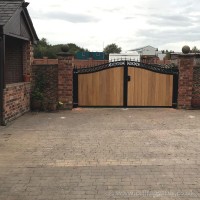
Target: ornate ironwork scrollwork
<point>100,67</point>
<point>164,69</point>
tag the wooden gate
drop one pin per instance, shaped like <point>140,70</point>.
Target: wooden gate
<point>124,84</point>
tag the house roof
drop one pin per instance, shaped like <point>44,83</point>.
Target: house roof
<point>10,12</point>
<point>7,10</point>
<point>137,49</point>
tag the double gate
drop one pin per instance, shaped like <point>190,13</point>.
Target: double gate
<point>124,84</point>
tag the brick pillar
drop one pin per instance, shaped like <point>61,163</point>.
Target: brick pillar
<point>186,66</point>
<point>45,60</point>
<point>196,83</point>
<point>65,79</point>
<point>27,57</point>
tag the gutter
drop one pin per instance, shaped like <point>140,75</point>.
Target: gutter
<point>2,77</point>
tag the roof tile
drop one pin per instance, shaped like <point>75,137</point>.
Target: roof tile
<point>7,9</point>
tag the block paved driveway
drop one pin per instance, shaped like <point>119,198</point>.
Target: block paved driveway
<point>101,154</point>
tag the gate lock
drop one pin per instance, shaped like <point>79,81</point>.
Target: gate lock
<point>129,78</point>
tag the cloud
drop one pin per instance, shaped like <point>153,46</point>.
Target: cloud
<point>171,20</point>
<point>64,16</point>
<point>127,18</point>
<point>116,9</point>
<point>160,37</point>
<point>129,23</point>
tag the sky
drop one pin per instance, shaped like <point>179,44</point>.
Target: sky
<point>131,24</point>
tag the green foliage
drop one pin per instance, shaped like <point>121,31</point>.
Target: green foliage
<point>37,95</point>
<point>167,52</point>
<point>65,48</point>
<point>40,83</point>
<point>195,50</point>
<point>44,49</point>
<point>111,48</point>
<point>73,48</point>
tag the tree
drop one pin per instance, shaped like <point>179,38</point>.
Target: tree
<point>112,48</point>
<point>195,50</point>
<point>73,48</point>
<point>41,49</point>
<point>168,53</point>
<point>44,49</point>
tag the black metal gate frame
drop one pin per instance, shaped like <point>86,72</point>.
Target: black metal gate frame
<point>170,69</point>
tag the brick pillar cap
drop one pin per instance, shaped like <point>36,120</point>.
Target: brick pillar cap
<point>186,55</point>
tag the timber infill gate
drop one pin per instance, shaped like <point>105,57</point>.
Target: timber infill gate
<point>125,84</point>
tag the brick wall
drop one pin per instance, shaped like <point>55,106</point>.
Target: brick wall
<point>87,63</point>
<point>185,90</point>
<point>50,74</point>
<point>65,80</point>
<point>162,62</point>
<point>16,100</point>
<point>27,57</point>
<point>76,62</point>
<point>196,84</point>
<point>59,81</point>
<point>45,61</point>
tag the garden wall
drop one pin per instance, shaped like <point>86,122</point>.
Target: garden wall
<point>58,81</point>
<point>49,74</point>
<point>45,61</point>
<point>196,84</point>
<point>87,63</point>
<point>76,62</point>
<point>189,81</point>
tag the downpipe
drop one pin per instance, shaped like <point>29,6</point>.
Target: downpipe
<point>2,78</point>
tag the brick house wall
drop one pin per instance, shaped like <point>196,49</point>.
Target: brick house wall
<point>17,92</point>
<point>27,57</point>
<point>16,100</point>
<point>17,34</point>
